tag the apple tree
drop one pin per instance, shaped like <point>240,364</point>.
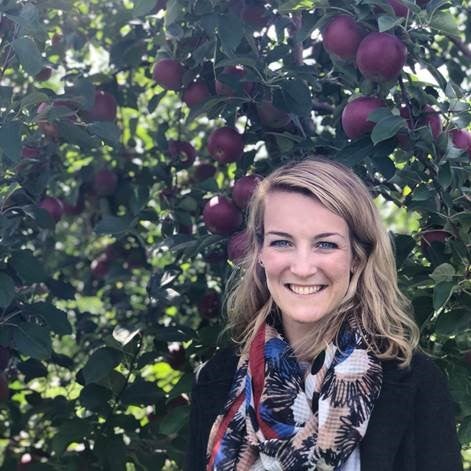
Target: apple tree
<point>132,135</point>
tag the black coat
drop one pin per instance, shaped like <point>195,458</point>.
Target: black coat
<point>412,426</point>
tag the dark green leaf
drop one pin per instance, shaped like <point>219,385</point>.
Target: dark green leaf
<point>7,290</point>
<point>112,453</point>
<point>386,22</point>
<point>32,340</point>
<point>32,369</point>
<point>27,266</point>
<point>230,33</point>
<point>28,55</point>
<point>465,430</point>
<point>444,272</point>
<point>183,386</point>
<point>386,166</point>
<point>403,245</point>
<point>95,398</point>
<point>295,97</point>
<point>355,152</point>
<point>10,140</point>
<point>441,293</point>
<point>143,7</point>
<point>174,333</point>
<point>172,423</point>
<point>444,175</point>
<point>141,393</point>
<point>109,132</point>
<point>73,430</point>
<point>76,134</point>
<point>454,322</point>
<point>445,22</point>
<point>100,363</point>
<point>33,98</point>
<point>55,318</point>
<point>386,128</point>
<point>113,225</point>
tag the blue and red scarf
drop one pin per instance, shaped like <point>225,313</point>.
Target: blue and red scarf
<point>278,417</point>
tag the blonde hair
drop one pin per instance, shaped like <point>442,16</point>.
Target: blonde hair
<point>373,298</point>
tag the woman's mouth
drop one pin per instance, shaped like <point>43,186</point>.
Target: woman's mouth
<point>305,289</point>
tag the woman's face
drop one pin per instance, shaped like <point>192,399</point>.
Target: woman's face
<point>307,258</point>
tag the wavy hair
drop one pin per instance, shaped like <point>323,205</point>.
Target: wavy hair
<point>373,298</point>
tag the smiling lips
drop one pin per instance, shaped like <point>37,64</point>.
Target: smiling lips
<point>300,289</point>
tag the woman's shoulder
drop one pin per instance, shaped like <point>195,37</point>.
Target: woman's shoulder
<point>220,367</point>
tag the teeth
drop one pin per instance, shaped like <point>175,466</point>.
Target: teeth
<point>305,289</point>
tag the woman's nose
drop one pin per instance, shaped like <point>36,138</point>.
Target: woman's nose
<point>303,264</point>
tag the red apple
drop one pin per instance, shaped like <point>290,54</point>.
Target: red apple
<point>430,236</point>
<point>244,188</point>
<point>4,391</point>
<point>237,246</point>
<point>104,107</point>
<point>431,118</point>
<point>237,73</point>
<point>342,36</point>
<point>254,14</point>
<point>461,139</point>
<point>168,73</point>
<point>399,8</point>
<point>105,182</point>
<point>176,357</point>
<point>74,209</point>
<point>221,216</point>
<point>209,305</point>
<point>355,121</point>
<point>204,171</point>
<point>30,152</point>
<point>225,145</point>
<point>53,206</point>
<point>44,74</point>
<point>272,117</point>
<point>100,266</point>
<point>196,93</point>
<point>49,129</point>
<point>4,357</point>
<point>182,152</point>
<point>381,56</point>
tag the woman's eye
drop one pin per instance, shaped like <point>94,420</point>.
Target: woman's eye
<point>279,243</point>
<point>327,245</point>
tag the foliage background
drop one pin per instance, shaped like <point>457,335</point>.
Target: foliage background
<point>99,362</point>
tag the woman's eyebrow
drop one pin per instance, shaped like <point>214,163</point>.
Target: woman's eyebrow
<point>317,236</point>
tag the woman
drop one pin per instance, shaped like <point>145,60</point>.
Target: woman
<point>323,373</point>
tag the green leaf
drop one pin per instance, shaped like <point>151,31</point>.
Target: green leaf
<point>444,272</point>
<point>113,225</point>
<point>100,363</point>
<point>10,140</point>
<point>32,369</point>
<point>124,335</point>
<point>230,33</point>
<point>70,431</point>
<point>442,293</point>
<point>465,430</point>
<point>355,152</point>
<point>111,452</point>
<point>454,322</point>
<point>385,165</point>
<point>109,132</point>
<point>33,98</point>
<point>172,423</point>
<point>445,22</point>
<point>386,22</point>
<point>55,318</point>
<point>403,245</point>
<point>28,267</point>
<point>293,5</point>
<point>444,175</point>
<point>141,393</point>
<point>294,97</point>
<point>95,397</point>
<point>7,290</point>
<point>386,128</point>
<point>143,7</point>
<point>76,134</point>
<point>32,340</point>
<point>183,386</point>
<point>28,55</point>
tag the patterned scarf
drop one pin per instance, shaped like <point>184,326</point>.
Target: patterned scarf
<point>278,418</point>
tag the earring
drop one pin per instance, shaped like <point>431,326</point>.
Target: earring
<point>260,262</point>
